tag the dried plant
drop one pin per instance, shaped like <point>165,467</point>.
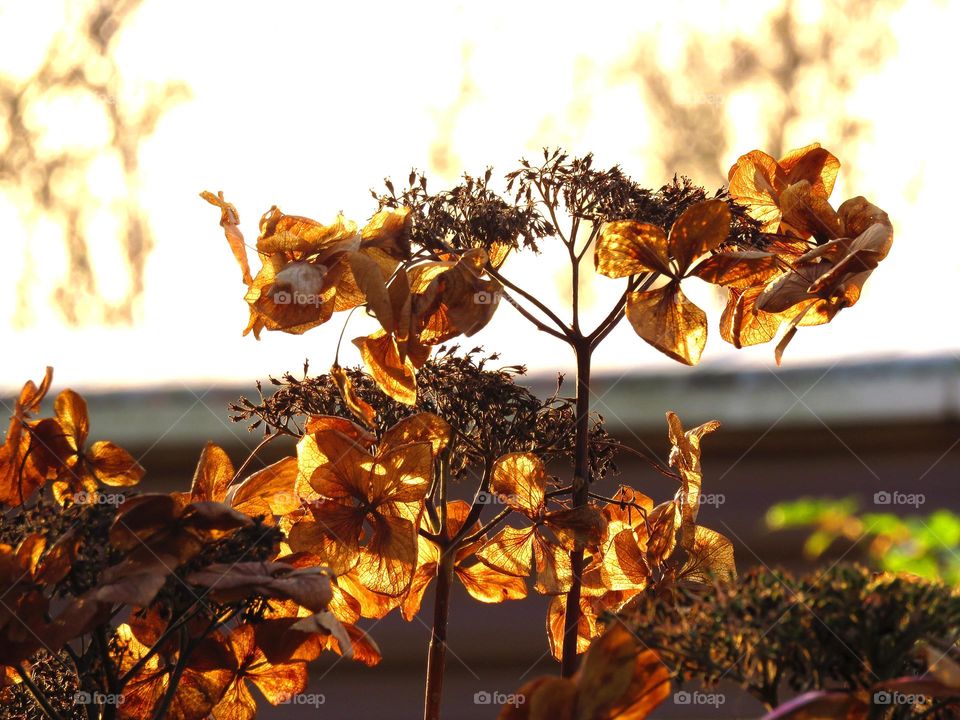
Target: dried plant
<point>774,633</point>
<point>180,600</point>
<point>429,266</point>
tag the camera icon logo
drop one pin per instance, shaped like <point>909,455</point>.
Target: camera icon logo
<point>882,498</point>
<point>486,298</point>
<point>282,297</point>
<point>482,698</point>
<point>681,697</point>
<point>882,697</point>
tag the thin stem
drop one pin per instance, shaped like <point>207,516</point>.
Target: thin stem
<point>437,653</point>
<point>581,495</point>
<point>551,204</point>
<point>643,456</point>
<point>436,656</point>
<point>37,694</point>
<point>606,326</point>
<point>336,355</point>
<point>621,503</point>
<point>109,670</point>
<point>594,231</point>
<point>574,273</point>
<point>432,537</point>
<point>155,648</point>
<point>473,537</point>
<point>541,326</point>
<point>531,299</point>
<point>253,453</point>
<point>174,681</point>
<point>476,508</point>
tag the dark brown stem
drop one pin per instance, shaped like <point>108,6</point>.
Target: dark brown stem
<point>581,494</point>
<point>437,653</point>
<point>109,671</point>
<point>38,695</point>
<point>489,527</point>
<point>253,453</point>
<point>171,628</point>
<point>183,655</point>
<point>564,331</point>
<point>637,282</point>
<point>476,508</point>
<point>436,657</point>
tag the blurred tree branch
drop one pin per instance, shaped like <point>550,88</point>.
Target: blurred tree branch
<point>785,64</point>
<point>51,183</point>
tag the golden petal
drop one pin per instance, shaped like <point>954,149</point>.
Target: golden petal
<point>490,586</point>
<point>755,180</point>
<point>395,377</point>
<point>671,323</point>
<point>387,561</point>
<point>629,248</point>
<point>510,551</point>
<point>700,229</point>
<point>520,480</point>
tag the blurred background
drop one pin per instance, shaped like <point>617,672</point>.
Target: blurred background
<point>114,116</point>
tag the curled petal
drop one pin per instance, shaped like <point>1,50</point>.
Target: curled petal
<point>361,409</point>
<point>755,180</point>
<point>742,324</point>
<point>213,474</point>
<point>113,465</point>
<point>808,213</point>
<point>520,479</point>
<point>422,427</point>
<point>666,319</point>
<point>270,490</point>
<point>700,229</point>
<point>230,222</point>
<point>812,164</point>
<point>395,377</point>
<point>280,233</point>
<point>489,586</point>
<point>710,555</point>
<point>624,565</point>
<point>629,248</point>
<point>554,572</point>
<point>389,232</point>
<point>71,412</point>
<point>738,268</point>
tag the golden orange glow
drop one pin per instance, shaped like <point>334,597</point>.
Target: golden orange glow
<point>310,104</point>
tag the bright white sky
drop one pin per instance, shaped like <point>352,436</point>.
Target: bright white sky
<point>307,105</point>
